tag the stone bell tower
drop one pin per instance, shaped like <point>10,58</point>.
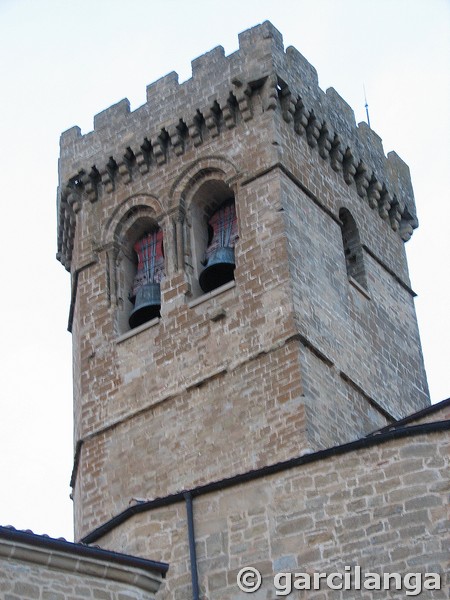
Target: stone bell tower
<point>301,335</point>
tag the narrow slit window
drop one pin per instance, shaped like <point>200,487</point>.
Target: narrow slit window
<point>354,259</point>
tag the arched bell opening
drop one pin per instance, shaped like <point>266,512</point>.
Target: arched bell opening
<point>140,269</point>
<point>219,262</point>
<point>214,236</point>
<point>145,291</point>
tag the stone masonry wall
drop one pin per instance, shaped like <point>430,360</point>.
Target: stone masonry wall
<point>24,581</point>
<point>199,435</point>
<point>369,335</point>
<point>237,375</point>
<point>99,370</point>
<point>382,507</point>
<point>224,389</point>
<point>288,358</point>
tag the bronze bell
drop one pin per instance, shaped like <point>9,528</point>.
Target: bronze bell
<point>218,270</point>
<point>147,304</point>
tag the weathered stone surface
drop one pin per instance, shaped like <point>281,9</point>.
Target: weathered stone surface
<point>293,356</point>
<point>293,535</point>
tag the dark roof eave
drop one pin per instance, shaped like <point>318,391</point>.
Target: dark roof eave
<point>81,549</point>
<point>428,410</point>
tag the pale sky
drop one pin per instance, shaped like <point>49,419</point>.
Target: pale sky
<point>63,61</point>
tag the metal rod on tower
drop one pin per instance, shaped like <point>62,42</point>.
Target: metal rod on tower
<point>366,105</point>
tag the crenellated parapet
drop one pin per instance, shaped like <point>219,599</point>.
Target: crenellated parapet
<point>225,92</point>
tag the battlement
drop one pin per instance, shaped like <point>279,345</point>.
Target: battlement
<point>260,77</point>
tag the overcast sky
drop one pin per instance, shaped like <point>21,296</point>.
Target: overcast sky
<point>62,61</point>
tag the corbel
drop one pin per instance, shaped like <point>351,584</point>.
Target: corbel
<point>108,175</point>
<point>348,166</point>
<point>406,229</point>
<point>374,192</point>
<point>212,118</point>
<point>159,146</point>
<point>394,214</point>
<point>195,130</point>
<point>91,185</point>
<point>271,92</point>
<point>385,203</point>
<point>126,166</point>
<point>362,179</point>
<point>336,154</point>
<point>143,157</point>
<point>312,130</point>
<point>74,201</point>
<point>176,139</point>
<point>301,116</point>
<point>242,93</point>
<point>324,141</point>
<point>287,104</point>
<point>229,112</point>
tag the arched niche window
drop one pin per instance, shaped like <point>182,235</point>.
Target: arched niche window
<point>145,291</point>
<point>213,236</point>
<point>354,259</point>
<point>140,270</point>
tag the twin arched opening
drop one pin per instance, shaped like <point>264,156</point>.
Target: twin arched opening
<point>141,264</point>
